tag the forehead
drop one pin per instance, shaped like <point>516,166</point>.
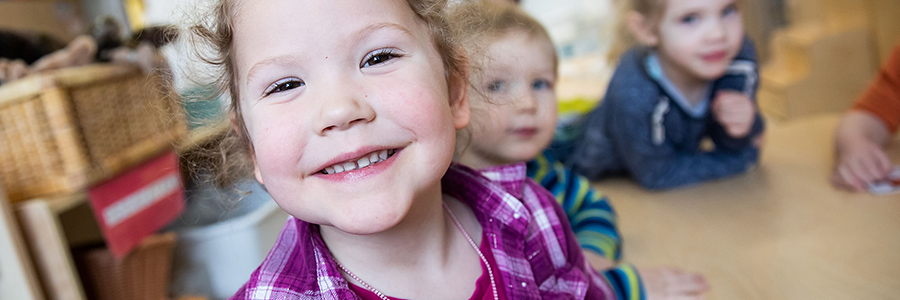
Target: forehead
<point>519,49</point>
<point>677,6</point>
<point>265,28</point>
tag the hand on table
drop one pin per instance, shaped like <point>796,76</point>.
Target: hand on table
<point>672,284</point>
<point>859,164</point>
<point>735,111</point>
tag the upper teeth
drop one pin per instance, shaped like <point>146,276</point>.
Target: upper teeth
<point>363,162</point>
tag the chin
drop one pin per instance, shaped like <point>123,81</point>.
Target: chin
<point>712,74</point>
<point>373,215</point>
<point>370,223</point>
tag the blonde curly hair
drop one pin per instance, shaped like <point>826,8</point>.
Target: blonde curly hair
<point>229,156</point>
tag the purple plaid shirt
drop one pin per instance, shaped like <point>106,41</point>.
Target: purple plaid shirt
<point>530,238</point>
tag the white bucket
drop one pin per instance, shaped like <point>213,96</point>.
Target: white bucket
<point>216,260</point>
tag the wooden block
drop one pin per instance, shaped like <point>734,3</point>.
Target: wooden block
<point>819,72</point>
<point>886,26</point>
<point>47,243</point>
<point>17,276</point>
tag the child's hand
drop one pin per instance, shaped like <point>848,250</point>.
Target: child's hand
<point>12,69</point>
<point>860,164</point>
<point>735,111</point>
<point>672,283</point>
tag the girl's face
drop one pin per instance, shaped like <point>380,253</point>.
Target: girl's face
<point>699,38</point>
<point>347,107</point>
<point>515,103</point>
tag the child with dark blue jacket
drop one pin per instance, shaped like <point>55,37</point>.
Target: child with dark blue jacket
<point>694,77</point>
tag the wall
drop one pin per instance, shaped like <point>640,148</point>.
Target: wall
<point>42,16</point>
<point>886,25</point>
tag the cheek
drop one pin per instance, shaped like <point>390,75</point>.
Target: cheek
<point>680,38</point>
<point>423,109</point>
<point>736,31</point>
<point>549,114</point>
<point>271,157</point>
<point>487,123</point>
<point>277,141</point>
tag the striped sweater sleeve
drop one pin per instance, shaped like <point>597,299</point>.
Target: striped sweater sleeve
<point>625,282</point>
<point>592,217</point>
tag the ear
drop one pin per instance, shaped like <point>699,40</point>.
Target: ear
<point>256,171</point>
<point>458,86</point>
<point>641,28</point>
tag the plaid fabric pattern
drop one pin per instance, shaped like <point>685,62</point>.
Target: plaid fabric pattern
<point>592,217</point>
<point>589,211</point>
<point>535,250</point>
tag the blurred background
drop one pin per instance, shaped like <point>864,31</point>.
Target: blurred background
<point>816,57</point>
<point>817,54</point>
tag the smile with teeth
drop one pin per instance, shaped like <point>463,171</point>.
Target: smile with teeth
<point>365,161</point>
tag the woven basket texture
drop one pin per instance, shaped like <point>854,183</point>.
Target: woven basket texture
<point>142,275</point>
<point>63,131</point>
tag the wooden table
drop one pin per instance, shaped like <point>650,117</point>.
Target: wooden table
<point>780,231</point>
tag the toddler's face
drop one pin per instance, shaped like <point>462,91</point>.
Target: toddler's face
<point>514,106</point>
<point>347,107</point>
<point>699,38</point>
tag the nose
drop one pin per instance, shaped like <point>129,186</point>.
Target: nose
<point>715,31</point>
<point>526,101</point>
<point>341,109</point>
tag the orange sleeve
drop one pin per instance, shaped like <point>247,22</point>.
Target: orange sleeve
<point>882,98</point>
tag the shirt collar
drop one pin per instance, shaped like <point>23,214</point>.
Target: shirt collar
<point>654,68</point>
<point>494,194</point>
<point>510,177</point>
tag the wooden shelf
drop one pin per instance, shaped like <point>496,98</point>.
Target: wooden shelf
<point>50,228</point>
<point>17,277</point>
<point>45,235</point>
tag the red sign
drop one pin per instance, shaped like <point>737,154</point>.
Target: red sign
<point>138,203</point>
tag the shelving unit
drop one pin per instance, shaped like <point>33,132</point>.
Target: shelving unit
<point>36,238</point>
<point>51,228</point>
<point>17,277</point>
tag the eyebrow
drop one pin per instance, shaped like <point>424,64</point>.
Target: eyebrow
<point>278,60</point>
<point>368,30</point>
<point>361,34</point>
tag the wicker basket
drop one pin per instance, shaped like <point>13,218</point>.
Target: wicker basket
<point>142,275</point>
<point>65,130</point>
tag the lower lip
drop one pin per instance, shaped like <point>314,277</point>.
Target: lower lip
<point>715,57</point>
<point>360,174</point>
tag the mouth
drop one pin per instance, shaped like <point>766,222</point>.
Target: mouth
<point>715,56</point>
<point>365,161</point>
<point>524,131</point>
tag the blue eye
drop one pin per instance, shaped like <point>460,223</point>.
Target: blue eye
<point>379,56</point>
<point>541,84</point>
<point>689,19</point>
<point>730,10</point>
<point>496,85</point>
<point>284,85</point>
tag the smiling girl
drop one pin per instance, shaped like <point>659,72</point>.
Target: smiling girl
<point>349,111</point>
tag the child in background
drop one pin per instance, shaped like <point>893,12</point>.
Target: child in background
<point>349,111</point>
<point>514,70</point>
<point>693,77</point>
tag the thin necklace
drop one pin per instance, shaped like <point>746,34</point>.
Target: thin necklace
<point>468,238</point>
